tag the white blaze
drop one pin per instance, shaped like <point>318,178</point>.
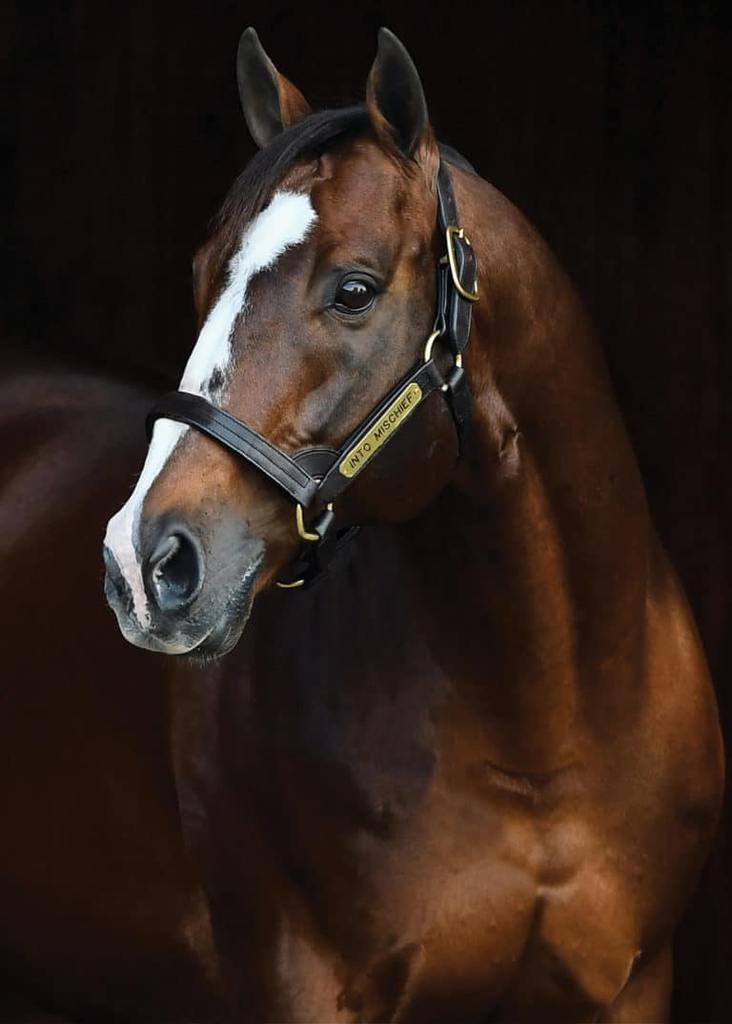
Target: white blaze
<point>282,224</point>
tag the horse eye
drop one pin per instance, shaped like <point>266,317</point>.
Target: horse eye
<point>354,296</point>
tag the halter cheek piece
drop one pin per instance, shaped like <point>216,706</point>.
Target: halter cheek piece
<point>320,475</point>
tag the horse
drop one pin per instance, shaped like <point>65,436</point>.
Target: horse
<point>464,764</point>
<point>103,915</point>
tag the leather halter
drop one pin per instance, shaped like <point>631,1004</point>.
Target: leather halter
<point>319,475</point>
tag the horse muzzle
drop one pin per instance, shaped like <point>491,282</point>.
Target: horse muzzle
<point>183,593</point>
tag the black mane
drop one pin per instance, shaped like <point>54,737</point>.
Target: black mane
<point>307,139</point>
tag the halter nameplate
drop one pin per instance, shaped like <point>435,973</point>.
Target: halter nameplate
<point>365,448</point>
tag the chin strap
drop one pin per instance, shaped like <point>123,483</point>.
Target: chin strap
<point>320,475</point>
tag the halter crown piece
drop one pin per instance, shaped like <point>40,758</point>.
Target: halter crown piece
<point>320,475</point>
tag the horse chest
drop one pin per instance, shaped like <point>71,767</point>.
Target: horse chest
<point>436,916</point>
<point>469,905</point>
<point>419,889</point>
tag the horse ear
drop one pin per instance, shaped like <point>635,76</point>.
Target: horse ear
<point>270,101</point>
<point>395,99</point>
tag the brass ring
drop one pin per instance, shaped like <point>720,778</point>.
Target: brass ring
<point>305,534</point>
<point>430,345</point>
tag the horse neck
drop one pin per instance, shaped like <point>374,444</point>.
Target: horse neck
<point>515,602</point>
<point>532,565</point>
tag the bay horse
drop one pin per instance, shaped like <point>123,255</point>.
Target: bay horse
<point>102,914</point>
<point>474,772</point>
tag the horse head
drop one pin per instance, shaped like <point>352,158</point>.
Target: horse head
<point>315,294</point>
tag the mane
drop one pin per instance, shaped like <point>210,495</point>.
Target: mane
<point>307,139</point>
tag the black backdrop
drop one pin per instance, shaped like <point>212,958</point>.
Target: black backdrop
<point>607,123</point>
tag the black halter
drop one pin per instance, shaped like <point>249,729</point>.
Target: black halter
<point>319,475</point>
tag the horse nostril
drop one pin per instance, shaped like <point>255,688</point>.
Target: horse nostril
<point>175,572</point>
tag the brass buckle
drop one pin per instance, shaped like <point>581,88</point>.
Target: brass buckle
<point>450,232</point>
<point>305,534</point>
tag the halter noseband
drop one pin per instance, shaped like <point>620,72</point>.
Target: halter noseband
<point>320,475</point>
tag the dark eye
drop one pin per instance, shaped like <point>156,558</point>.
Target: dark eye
<point>354,295</point>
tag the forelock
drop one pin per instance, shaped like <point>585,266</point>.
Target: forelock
<point>306,140</point>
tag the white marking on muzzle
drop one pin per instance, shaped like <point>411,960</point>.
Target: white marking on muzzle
<point>282,224</point>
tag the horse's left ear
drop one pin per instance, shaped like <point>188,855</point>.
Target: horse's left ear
<point>395,100</point>
<point>270,101</point>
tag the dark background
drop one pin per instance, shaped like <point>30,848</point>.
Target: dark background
<point>608,124</point>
